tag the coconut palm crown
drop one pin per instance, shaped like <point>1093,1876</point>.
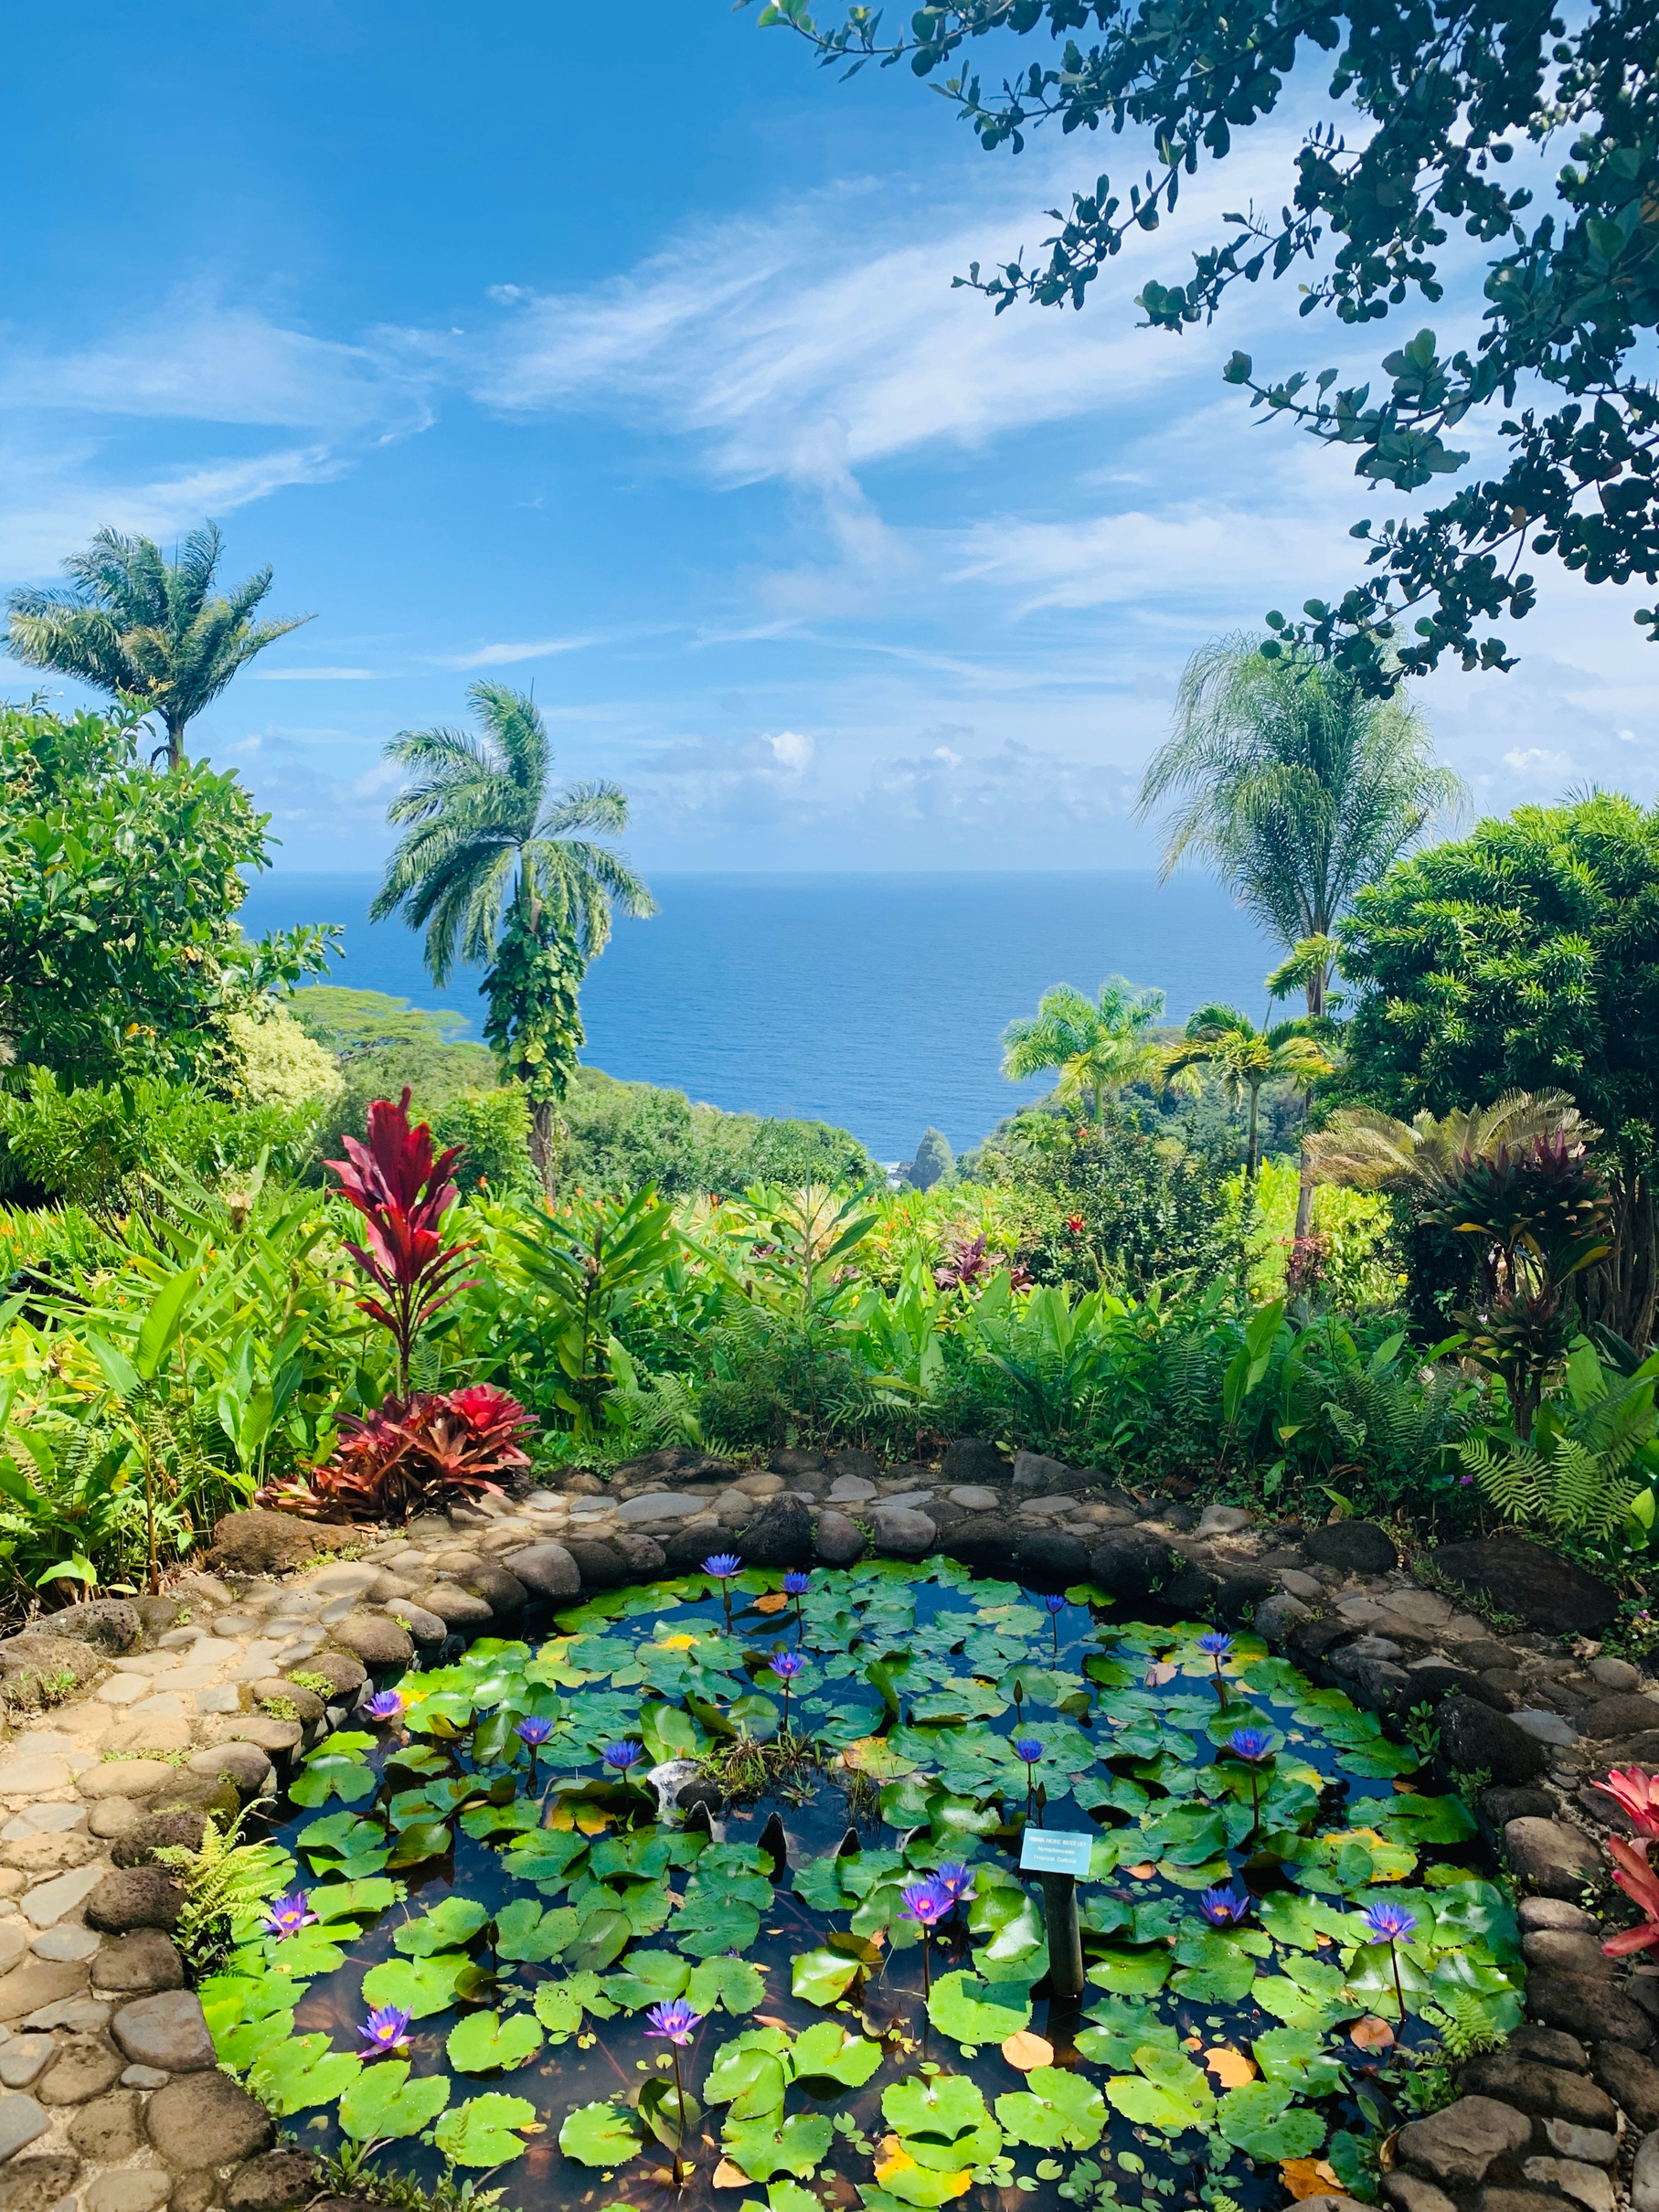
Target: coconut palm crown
<point>1097,1046</point>
<point>1295,788</point>
<point>142,627</point>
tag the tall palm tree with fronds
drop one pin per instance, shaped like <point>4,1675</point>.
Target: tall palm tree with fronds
<point>1295,788</point>
<point>1097,1047</point>
<point>1244,1057</point>
<point>496,866</point>
<point>140,626</point>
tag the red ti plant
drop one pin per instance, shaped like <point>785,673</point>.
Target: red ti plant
<point>1637,1794</point>
<point>411,1454</point>
<point>1640,1883</point>
<point>402,1193</point>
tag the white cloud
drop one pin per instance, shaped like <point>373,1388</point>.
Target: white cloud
<point>1535,760</point>
<point>504,655</point>
<point>792,748</point>
<point>316,675</point>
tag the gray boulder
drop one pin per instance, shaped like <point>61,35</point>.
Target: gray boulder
<point>204,2119</point>
<point>109,1623</point>
<point>1546,1591</point>
<point>1550,1858</point>
<point>836,1541</point>
<point>971,1459</point>
<point>547,1570</point>
<point>1474,1741</point>
<point>780,1534</point>
<point>167,2030</point>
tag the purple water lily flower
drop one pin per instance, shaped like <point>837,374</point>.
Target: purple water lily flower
<point>925,1903</point>
<point>796,1582</point>
<point>385,1704</point>
<point>1028,1749</point>
<point>1390,1923</point>
<point>674,2022</point>
<point>621,1756</point>
<point>1054,1604</point>
<point>957,1882</point>
<point>1254,1744</point>
<point>1224,1907</point>
<point>723,1565</point>
<point>786,1666</point>
<point>534,1730</point>
<point>385,2030</point>
<point>287,1915</point>
<point>1215,1643</point>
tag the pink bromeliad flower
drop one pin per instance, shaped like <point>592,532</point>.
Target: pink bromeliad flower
<point>1637,1794</point>
<point>1641,1884</point>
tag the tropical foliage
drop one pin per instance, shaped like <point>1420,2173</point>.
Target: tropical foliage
<point>497,867</point>
<point>147,629</point>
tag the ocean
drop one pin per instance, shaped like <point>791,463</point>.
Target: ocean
<point>874,1001</point>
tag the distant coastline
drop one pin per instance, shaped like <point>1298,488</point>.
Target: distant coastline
<point>875,1002</point>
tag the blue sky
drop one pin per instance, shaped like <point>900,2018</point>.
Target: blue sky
<point>617,353</point>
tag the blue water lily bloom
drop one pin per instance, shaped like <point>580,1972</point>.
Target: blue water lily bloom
<point>1055,1604</point>
<point>287,1915</point>
<point>1028,1749</point>
<point>533,1730</point>
<point>1254,1744</point>
<point>957,1882</point>
<point>1390,1923</point>
<point>925,1903</point>
<point>385,1704</point>
<point>1215,1643</point>
<point>621,1756</point>
<point>385,2030</point>
<point>1225,1907</point>
<point>796,1582</point>
<point>723,1564</point>
<point>673,2023</point>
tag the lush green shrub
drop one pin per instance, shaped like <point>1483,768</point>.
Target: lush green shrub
<point>278,1062</point>
<point>109,1146</point>
<point>624,1135</point>
<point>493,1128</point>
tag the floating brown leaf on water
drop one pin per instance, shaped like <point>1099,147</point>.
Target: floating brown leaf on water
<point>730,2176</point>
<point>1143,1873</point>
<point>1405,1789</point>
<point>773,1603</point>
<point>1160,1671</point>
<point>1024,2050</point>
<point>1371,2034</point>
<point>1231,2069</point>
<point>1308,2177</point>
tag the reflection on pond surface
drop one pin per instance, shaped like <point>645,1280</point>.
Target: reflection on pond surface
<point>846,1972</point>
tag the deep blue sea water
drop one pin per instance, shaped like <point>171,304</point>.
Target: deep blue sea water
<point>874,1001</point>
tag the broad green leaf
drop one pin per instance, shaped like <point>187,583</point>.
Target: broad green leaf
<point>445,1928</point>
<point>749,2073</point>
<point>826,2050</point>
<point>1120,2028</point>
<point>290,2075</point>
<point>650,1977</point>
<point>672,2115</point>
<point>733,1982</point>
<point>976,2012</point>
<point>599,2135</point>
<point>796,2147</point>
<point>600,1938</point>
<point>383,2101</point>
<point>527,1931</point>
<point>1055,2110</point>
<point>480,2133</point>
<point>484,2040</point>
<point>1170,2093</point>
<point>420,1987</point>
<point>1297,2056</point>
<point>820,1977</point>
<point>1261,2120</point>
<point>1132,1972</point>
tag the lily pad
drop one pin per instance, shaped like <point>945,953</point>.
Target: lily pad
<point>291,2075</point>
<point>383,2101</point>
<point>796,2147</point>
<point>481,2132</point>
<point>976,2012</point>
<point>447,1926</point>
<point>484,2040</point>
<point>420,1987</point>
<point>1055,2110</point>
<point>1265,2125</point>
<point>599,2135</point>
<point>822,1976</point>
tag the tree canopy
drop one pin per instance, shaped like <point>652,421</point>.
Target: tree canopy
<point>1295,787</point>
<point>1444,96</point>
<point>147,629</point>
<point>119,950</point>
<point>1097,1047</point>
<point>1526,957</point>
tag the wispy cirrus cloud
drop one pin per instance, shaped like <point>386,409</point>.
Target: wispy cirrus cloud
<point>505,655</point>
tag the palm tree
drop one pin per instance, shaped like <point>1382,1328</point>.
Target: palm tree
<point>494,868</point>
<point>140,626</point>
<point>1231,1047</point>
<point>1295,788</point>
<point>1097,1046</point>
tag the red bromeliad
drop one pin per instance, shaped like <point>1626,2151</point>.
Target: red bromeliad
<point>411,1454</point>
<point>1637,1794</point>
<point>1640,1883</point>
<point>402,1192</point>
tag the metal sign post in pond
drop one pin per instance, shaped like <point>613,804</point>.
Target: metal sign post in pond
<point>1057,1856</point>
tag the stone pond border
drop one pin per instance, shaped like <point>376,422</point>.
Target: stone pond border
<point>203,1700</point>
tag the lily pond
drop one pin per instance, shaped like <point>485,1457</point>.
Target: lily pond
<point>493,1954</point>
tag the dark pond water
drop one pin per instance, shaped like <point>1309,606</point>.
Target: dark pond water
<point>1201,2057</point>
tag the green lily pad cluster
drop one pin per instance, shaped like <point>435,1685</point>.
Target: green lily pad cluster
<point>560,1908</point>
